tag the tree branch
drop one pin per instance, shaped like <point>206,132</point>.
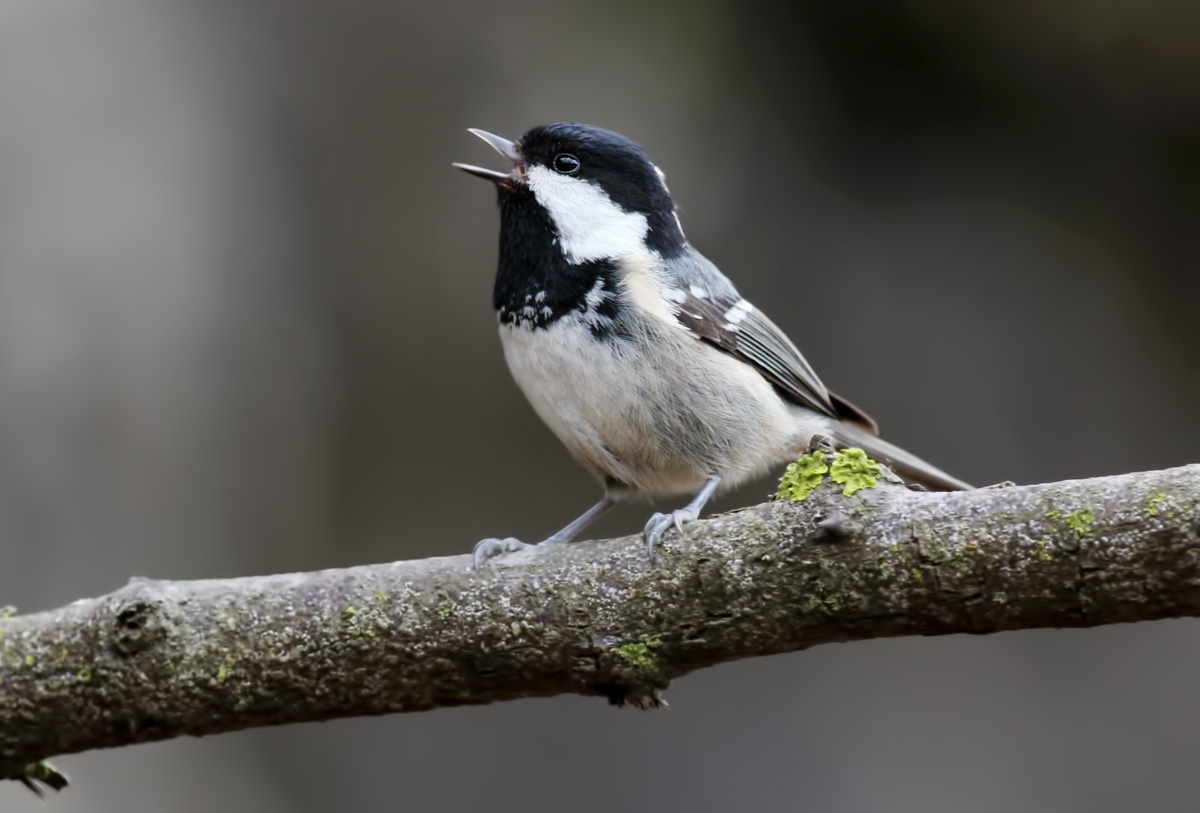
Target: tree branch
<point>159,659</point>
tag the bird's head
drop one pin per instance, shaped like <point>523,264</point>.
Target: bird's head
<point>602,195</point>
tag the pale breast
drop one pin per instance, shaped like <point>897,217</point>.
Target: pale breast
<point>660,421</point>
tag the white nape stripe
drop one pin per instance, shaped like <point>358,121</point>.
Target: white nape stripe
<point>590,226</point>
<point>662,176</point>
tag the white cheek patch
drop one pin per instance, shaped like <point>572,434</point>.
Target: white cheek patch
<point>590,226</point>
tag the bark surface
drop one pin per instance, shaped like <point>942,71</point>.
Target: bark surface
<point>157,659</point>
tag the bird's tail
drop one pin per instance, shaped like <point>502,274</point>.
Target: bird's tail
<point>907,465</point>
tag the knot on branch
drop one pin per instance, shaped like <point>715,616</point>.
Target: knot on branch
<point>136,626</point>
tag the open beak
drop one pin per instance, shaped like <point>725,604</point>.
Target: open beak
<point>501,145</point>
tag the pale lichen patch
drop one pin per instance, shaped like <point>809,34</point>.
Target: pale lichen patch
<point>802,477</point>
<point>854,470</point>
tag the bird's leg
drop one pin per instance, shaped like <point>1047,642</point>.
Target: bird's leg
<point>489,548</point>
<point>659,524</point>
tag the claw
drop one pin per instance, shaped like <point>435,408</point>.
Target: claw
<point>652,535</point>
<point>658,526</point>
<point>491,548</point>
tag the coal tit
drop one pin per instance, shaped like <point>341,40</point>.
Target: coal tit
<point>636,350</point>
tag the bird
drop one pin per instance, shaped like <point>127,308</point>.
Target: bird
<point>634,349</point>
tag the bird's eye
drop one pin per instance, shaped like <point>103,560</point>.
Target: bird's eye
<point>566,164</point>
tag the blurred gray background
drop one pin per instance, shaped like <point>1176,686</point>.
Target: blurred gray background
<point>245,327</point>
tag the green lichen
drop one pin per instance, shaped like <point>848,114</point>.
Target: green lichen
<point>1000,598</point>
<point>446,608</point>
<point>83,675</point>
<point>1054,515</point>
<point>851,468</point>
<point>30,660</point>
<point>1041,551</point>
<point>39,776</point>
<point>640,655</point>
<point>854,470</point>
<point>825,604</point>
<point>1081,520</point>
<point>801,477</point>
<point>358,622</point>
<point>916,575</point>
<point>934,550</point>
<point>1152,510</point>
<point>225,670</point>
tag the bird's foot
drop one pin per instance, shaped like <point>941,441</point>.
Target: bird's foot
<point>491,548</point>
<point>659,524</point>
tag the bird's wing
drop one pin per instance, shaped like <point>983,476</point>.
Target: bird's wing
<point>713,311</point>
